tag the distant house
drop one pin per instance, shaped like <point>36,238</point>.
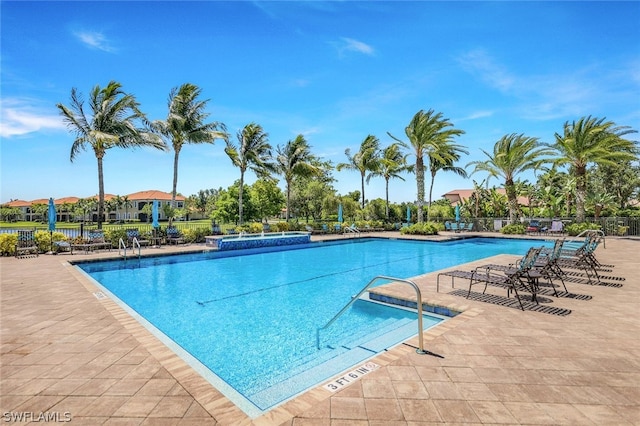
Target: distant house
<point>132,211</point>
<point>459,196</point>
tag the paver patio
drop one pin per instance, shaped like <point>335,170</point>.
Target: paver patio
<point>67,353</point>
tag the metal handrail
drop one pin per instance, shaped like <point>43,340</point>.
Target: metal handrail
<point>420,349</point>
<point>134,243</point>
<point>123,246</point>
<point>599,232</point>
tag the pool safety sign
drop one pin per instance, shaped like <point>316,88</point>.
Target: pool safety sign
<point>350,377</point>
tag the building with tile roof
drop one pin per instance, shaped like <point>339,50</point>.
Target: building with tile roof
<point>132,211</point>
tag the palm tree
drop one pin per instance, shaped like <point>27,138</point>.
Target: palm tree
<point>365,160</point>
<point>252,153</point>
<point>185,124</point>
<point>512,155</point>
<point>392,163</point>
<point>592,140</point>
<point>442,156</point>
<point>113,123</point>
<point>427,131</point>
<point>294,159</point>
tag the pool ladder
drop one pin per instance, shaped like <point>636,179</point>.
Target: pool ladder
<point>420,350</point>
<point>123,246</point>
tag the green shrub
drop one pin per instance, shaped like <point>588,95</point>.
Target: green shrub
<point>44,240</point>
<point>255,228</point>
<point>114,236</point>
<point>195,235</point>
<point>281,226</point>
<point>514,229</point>
<point>578,228</point>
<point>8,244</point>
<point>425,228</point>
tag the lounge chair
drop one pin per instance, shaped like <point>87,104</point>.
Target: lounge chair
<point>511,277</point>
<point>534,227</point>
<point>97,241</point>
<point>353,229</point>
<point>26,244</point>
<point>557,227</point>
<point>134,235</point>
<point>455,227</point>
<point>469,227</point>
<point>174,236</point>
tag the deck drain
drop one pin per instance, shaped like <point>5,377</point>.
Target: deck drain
<point>99,295</point>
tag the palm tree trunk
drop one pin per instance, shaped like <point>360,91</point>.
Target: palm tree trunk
<point>175,182</point>
<point>240,197</point>
<point>387,198</point>
<point>420,182</point>
<point>362,184</point>
<point>433,178</point>
<point>100,192</point>
<point>288,199</point>
<point>581,192</point>
<point>512,199</point>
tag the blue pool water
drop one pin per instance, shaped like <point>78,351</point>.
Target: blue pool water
<point>252,319</point>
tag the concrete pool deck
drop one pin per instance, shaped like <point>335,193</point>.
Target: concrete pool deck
<point>69,353</point>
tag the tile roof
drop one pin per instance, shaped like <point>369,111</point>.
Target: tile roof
<point>151,194</point>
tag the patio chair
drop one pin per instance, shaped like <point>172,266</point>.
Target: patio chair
<point>325,228</point>
<point>455,227</point>
<point>447,226</point>
<point>97,241</point>
<point>469,227</point>
<point>512,277</point>
<point>174,236</point>
<point>557,227</point>
<point>534,227</point>
<point>26,244</point>
<point>134,234</point>
<point>266,227</point>
<point>353,229</point>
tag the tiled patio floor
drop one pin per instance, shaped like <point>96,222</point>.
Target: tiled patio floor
<point>67,353</point>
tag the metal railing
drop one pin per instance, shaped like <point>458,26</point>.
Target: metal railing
<point>420,349</point>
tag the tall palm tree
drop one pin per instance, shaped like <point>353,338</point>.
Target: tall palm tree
<point>113,123</point>
<point>512,155</point>
<point>442,156</point>
<point>427,131</point>
<point>252,153</point>
<point>392,163</point>
<point>592,140</point>
<point>294,159</point>
<point>185,123</point>
<point>365,160</point>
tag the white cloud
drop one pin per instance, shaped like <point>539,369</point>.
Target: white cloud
<point>94,40</point>
<point>479,63</point>
<point>352,45</point>
<point>20,117</point>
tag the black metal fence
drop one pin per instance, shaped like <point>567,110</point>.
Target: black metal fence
<point>612,226</point>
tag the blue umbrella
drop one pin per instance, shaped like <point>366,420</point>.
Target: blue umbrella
<point>52,215</point>
<point>340,213</point>
<point>408,215</point>
<point>154,214</point>
<point>457,213</point>
<point>52,221</point>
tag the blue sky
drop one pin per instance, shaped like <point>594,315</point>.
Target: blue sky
<point>332,71</point>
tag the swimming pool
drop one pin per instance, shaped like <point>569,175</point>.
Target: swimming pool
<point>251,319</point>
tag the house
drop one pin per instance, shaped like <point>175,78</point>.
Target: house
<point>461,195</point>
<point>115,207</point>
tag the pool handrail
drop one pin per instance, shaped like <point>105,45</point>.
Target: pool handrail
<point>420,349</point>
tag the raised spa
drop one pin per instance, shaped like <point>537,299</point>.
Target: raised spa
<point>249,241</point>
